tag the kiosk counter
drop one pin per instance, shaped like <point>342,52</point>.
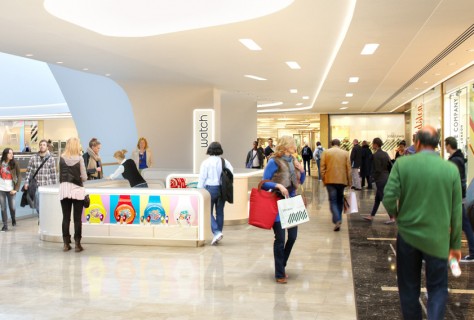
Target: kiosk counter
<point>119,214</point>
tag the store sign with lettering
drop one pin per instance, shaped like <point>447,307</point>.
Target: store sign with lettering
<point>203,135</point>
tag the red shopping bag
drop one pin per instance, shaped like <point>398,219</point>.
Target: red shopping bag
<point>263,207</point>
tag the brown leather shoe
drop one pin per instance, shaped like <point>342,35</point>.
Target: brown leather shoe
<point>281,280</point>
<point>78,247</point>
<point>66,247</point>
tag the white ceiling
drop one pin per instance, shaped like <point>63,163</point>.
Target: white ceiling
<point>410,33</point>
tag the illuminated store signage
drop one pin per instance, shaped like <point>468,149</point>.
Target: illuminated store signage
<point>455,116</point>
<point>418,117</point>
<point>203,135</point>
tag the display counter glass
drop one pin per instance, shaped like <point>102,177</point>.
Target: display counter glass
<point>119,214</point>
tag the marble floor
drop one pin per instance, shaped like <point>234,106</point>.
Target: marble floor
<point>233,280</point>
<point>332,275</point>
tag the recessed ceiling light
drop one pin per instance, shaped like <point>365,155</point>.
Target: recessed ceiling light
<point>349,94</point>
<point>269,104</point>
<point>293,65</point>
<point>452,64</point>
<point>250,44</point>
<point>344,102</point>
<point>299,104</point>
<point>28,55</point>
<point>59,62</point>
<point>353,79</point>
<point>470,50</point>
<point>343,108</point>
<point>426,82</point>
<point>107,74</point>
<point>369,48</point>
<point>305,97</point>
<point>293,90</point>
<point>254,77</point>
<point>437,74</point>
<point>85,69</point>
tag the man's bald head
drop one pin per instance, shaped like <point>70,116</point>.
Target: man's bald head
<point>427,138</point>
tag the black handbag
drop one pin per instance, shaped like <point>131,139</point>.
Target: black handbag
<point>33,184</point>
<point>87,201</point>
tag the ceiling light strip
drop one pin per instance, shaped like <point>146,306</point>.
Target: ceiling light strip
<point>250,44</point>
<point>456,43</point>
<point>255,77</point>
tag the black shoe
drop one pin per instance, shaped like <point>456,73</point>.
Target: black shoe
<point>468,258</point>
<point>5,228</point>
<point>352,187</point>
<point>14,222</point>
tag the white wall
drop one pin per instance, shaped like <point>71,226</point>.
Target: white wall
<point>238,123</point>
<point>59,129</point>
<point>164,116</point>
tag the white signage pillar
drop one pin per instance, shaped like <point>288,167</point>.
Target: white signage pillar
<point>203,135</point>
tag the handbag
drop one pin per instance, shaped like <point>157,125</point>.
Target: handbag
<point>292,212</point>
<point>263,207</point>
<point>87,201</point>
<point>33,184</point>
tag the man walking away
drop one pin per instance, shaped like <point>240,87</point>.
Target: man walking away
<point>336,174</point>
<point>456,156</point>
<point>356,160</point>
<point>366,165</point>
<point>317,156</point>
<point>307,155</point>
<point>424,194</point>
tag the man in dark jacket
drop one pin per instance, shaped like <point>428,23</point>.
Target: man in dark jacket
<point>456,156</point>
<point>255,157</point>
<point>356,161</point>
<point>381,170</point>
<point>366,166</point>
<point>307,155</point>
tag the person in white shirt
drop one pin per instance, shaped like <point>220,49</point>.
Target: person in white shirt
<point>210,178</point>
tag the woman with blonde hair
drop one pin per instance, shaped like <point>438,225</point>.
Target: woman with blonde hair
<point>72,174</point>
<point>286,174</point>
<point>128,170</point>
<point>142,155</point>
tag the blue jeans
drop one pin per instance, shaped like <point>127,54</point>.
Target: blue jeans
<point>281,251</point>
<point>467,228</point>
<point>409,263</point>
<point>318,163</point>
<point>336,201</point>
<point>217,223</point>
<point>4,197</point>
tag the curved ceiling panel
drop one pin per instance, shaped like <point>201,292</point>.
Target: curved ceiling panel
<point>142,18</point>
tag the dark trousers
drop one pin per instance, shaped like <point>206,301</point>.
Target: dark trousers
<point>318,163</point>
<point>467,228</point>
<point>217,205</point>
<point>307,163</point>
<point>336,201</point>
<point>378,196</point>
<point>363,179</point>
<point>409,263</point>
<point>282,250</point>
<point>76,205</point>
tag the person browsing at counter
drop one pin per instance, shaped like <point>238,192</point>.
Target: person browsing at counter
<point>142,155</point>
<point>286,174</point>
<point>72,174</point>
<point>128,170</point>
<point>92,160</point>
<point>210,178</point>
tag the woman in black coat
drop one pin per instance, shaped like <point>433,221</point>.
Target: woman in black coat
<point>366,166</point>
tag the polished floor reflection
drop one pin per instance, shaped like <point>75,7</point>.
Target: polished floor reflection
<point>234,280</point>
<point>332,275</point>
<point>374,269</point>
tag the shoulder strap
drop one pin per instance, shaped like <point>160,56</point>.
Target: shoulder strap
<point>37,170</point>
<point>223,164</point>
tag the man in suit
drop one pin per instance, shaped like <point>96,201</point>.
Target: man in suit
<point>336,174</point>
<point>356,161</point>
<point>424,194</point>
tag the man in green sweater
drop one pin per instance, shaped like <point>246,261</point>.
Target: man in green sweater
<point>423,192</point>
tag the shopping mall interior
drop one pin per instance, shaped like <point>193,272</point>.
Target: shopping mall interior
<point>185,73</point>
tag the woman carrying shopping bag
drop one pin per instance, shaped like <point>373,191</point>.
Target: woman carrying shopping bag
<point>286,174</point>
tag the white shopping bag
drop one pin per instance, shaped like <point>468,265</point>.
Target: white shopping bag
<point>292,212</point>
<point>353,202</point>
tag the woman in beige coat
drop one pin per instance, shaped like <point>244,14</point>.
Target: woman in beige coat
<point>142,155</point>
